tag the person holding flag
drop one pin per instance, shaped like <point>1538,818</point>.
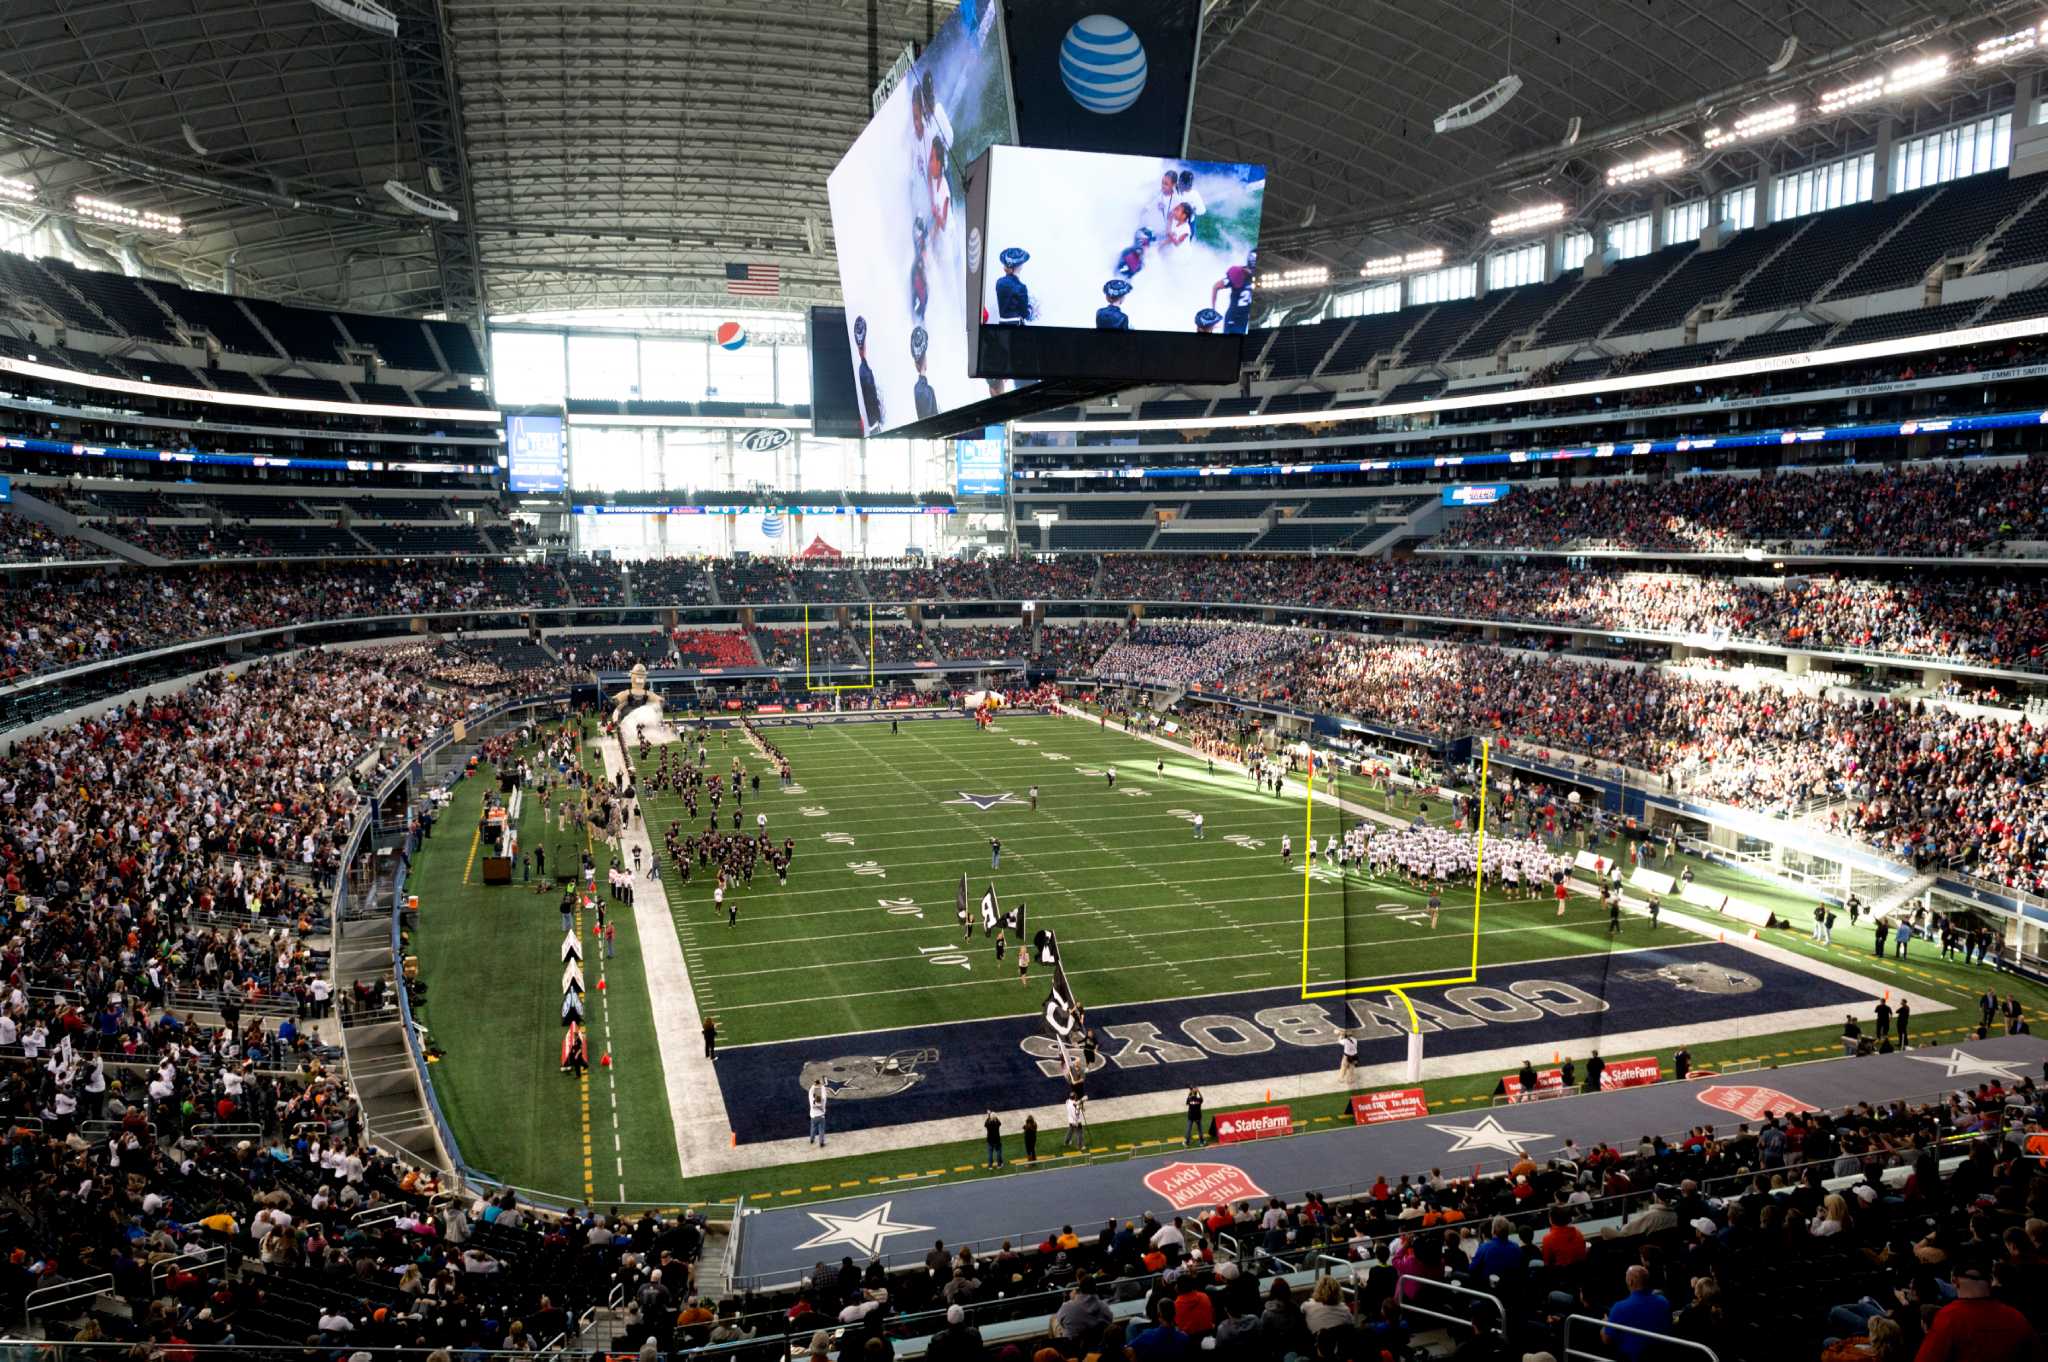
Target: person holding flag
<point>966,926</point>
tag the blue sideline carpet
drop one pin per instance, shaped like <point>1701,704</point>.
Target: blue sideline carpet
<point>778,1246</point>
<point>958,1070</point>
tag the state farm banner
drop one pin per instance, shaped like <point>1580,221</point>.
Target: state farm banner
<point>1256,1124</point>
<point>1549,1083</point>
<point>1391,1104</point>
<point>1630,1073</point>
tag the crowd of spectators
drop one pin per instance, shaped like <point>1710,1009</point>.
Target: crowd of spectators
<point>1934,510</point>
<point>671,581</point>
<point>30,541</point>
<point>1187,653</point>
<point>1922,781</point>
<point>1071,576</point>
<point>1070,649</point>
<point>594,581</point>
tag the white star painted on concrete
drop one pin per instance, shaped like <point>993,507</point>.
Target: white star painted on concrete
<point>865,1231</point>
<point>1960,1062</point>
<point>1490,1134</point>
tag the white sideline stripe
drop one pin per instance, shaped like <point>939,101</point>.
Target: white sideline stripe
<point>696,1107</point>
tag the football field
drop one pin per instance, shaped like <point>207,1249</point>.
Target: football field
<point>865,936</point>
<point>1188,954</point>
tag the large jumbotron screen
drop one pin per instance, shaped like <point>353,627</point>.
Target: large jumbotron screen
<point>898,219</point>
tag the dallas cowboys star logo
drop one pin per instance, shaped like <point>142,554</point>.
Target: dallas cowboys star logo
<point>985,802</point>
<point>1960,1062</point>
<point>865,1231</point>
<point>1490,1134</point>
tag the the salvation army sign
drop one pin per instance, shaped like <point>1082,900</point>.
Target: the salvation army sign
<point>1188,1185</point>
<point>1256,1124</point>
<point>1750,1102</point>
<point>1393,1104</point>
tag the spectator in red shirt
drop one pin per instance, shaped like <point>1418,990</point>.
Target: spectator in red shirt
<point>1193,1312</point>
<point>1975,1328</point>
<point>1563,1247</point>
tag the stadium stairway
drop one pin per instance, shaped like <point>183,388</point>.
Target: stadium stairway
<point>32,507</point>
<point>1420,523</point>
<point>1901,897</point>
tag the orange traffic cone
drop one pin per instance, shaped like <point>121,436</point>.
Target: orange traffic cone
<point>600,983</point>
<point>606,1061</point>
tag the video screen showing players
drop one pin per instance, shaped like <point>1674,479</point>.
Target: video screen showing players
<point>1120,243</point>
<point>898,221</point>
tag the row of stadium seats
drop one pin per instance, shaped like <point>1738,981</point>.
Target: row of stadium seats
<point>110,304</point>
<point>1979,618</point>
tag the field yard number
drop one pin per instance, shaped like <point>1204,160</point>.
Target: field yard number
<point>1248,843</point>
<point>1025,742</point>
<point>1184,815</point>
<point>840,839</point>
<point>868,868</point>
<point>793,788</point>
<point>901,907</point>
<point>1133,792</point>
<point>1054,756</point>
<point>945,955</point>
<point>814,811</point>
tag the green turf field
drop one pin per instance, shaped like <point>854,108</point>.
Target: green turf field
<point>492,960</point>
<point>1119,876</point>
<point>865,935</point>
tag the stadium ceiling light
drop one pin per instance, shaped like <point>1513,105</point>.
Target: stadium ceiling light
<point>1481,106</point>
<point>1751,126</point>
<point>2009,45</point>
<point>16,191</point>
<point>1304,276</point>
<point>1528,219</point>
<point>121,215</point>
<point>413,201</point>
<point>363,14</point>
<point>1914,75</point>
<point>1651,167</point>
<point>1384,265</point>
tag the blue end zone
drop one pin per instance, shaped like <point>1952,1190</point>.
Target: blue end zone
<point>959,1070</point>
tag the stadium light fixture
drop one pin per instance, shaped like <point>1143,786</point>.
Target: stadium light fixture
<point>413,201</point>
<point>1382,266</point>
<point>121,215</point>
<point>1481,106</point>
<point>2009,45</point>
<point>363,14</point>
<point>1652,167</point>
<point>1528,219</point>
<point>1302,276</point>
<point>1751,126</point>
<point>1914,75</point>
<point>16,191</point>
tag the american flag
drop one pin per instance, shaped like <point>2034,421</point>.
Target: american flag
<point>753,281</point>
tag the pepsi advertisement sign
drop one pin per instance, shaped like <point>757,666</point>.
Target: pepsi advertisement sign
<point>1477,494</point>
<point>1103,75</point>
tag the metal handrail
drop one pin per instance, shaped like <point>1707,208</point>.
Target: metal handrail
<point>1666,1340</point>
<point>47,1298</point>
<point>1500,1311</point>
<point>160,1272</point>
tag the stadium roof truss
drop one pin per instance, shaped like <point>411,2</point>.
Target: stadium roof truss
<point>619,153</point>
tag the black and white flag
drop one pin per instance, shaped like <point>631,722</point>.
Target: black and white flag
<point>991,914</point>
<point>1047,946</point>
<point>1062,1010</point>
<point>1013,923</point>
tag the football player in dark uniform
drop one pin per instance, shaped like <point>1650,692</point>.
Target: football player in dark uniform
<point>1013,296</point>
<point>927,400</point>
